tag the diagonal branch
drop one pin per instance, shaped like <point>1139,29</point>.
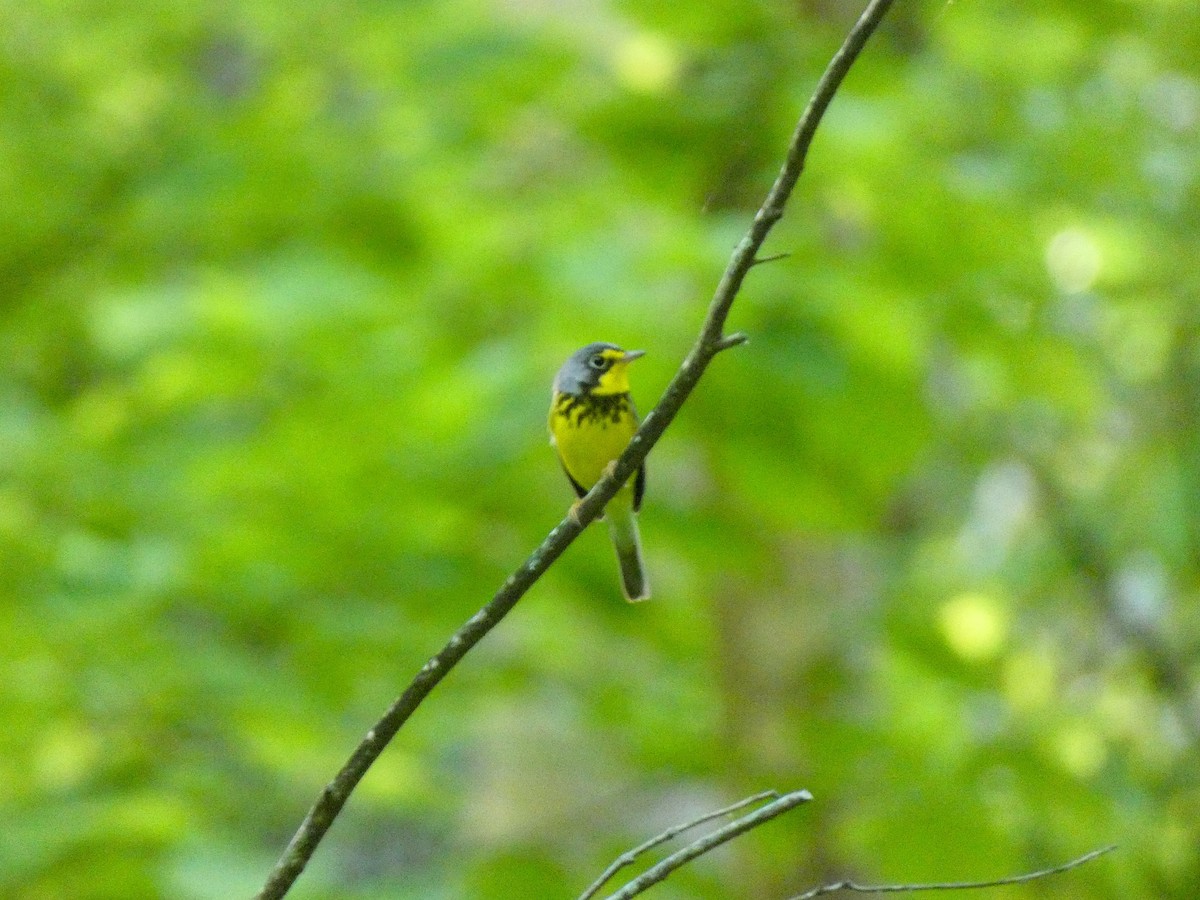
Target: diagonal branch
<point>951,885</point>
<point>710,342</point>
<point>682,857</point>
<point>629,857</point>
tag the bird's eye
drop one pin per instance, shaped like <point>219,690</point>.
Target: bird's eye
<point>598,362</point>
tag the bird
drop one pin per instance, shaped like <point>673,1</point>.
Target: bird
<point>592,419</point>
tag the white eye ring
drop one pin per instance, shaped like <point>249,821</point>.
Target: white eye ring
<point>598,362</point>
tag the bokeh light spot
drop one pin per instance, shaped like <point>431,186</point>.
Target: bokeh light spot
<point>1080,750</point>
<point>974,626</point>
<point>1073,260</point>
<point>647,64</point>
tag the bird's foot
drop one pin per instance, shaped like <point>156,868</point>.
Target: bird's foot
<point>573,512</point>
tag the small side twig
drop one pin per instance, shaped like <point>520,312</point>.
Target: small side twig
<point>679,858</point>
<point>730,340</point>
<point>763,260</point>
<point>629,857</point>
<point>952,885</point>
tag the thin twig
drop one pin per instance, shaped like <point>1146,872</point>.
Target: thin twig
<point>774,257</point>
<point>334,796</point>
<point>659,872</point>
<point>952,885</point>
<point>629,857</point>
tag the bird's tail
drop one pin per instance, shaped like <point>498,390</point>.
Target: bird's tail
<point>623,528</point>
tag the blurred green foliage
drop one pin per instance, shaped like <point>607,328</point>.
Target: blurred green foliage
<point>283,286</point>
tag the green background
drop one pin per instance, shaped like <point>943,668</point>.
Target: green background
<point>282,289</point>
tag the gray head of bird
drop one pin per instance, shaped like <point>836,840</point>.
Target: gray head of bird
<point>598,368</point>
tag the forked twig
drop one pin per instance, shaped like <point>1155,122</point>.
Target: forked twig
<point>629,857</point>
<point>699,847</point>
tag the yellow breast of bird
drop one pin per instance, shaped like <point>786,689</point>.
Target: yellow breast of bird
<point>590,432</point>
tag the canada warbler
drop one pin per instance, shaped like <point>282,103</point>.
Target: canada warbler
<point>592,419</point>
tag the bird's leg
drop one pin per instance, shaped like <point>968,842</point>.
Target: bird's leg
<point>573,512</point>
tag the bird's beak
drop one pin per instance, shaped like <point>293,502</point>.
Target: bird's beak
<point>631,355</point>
